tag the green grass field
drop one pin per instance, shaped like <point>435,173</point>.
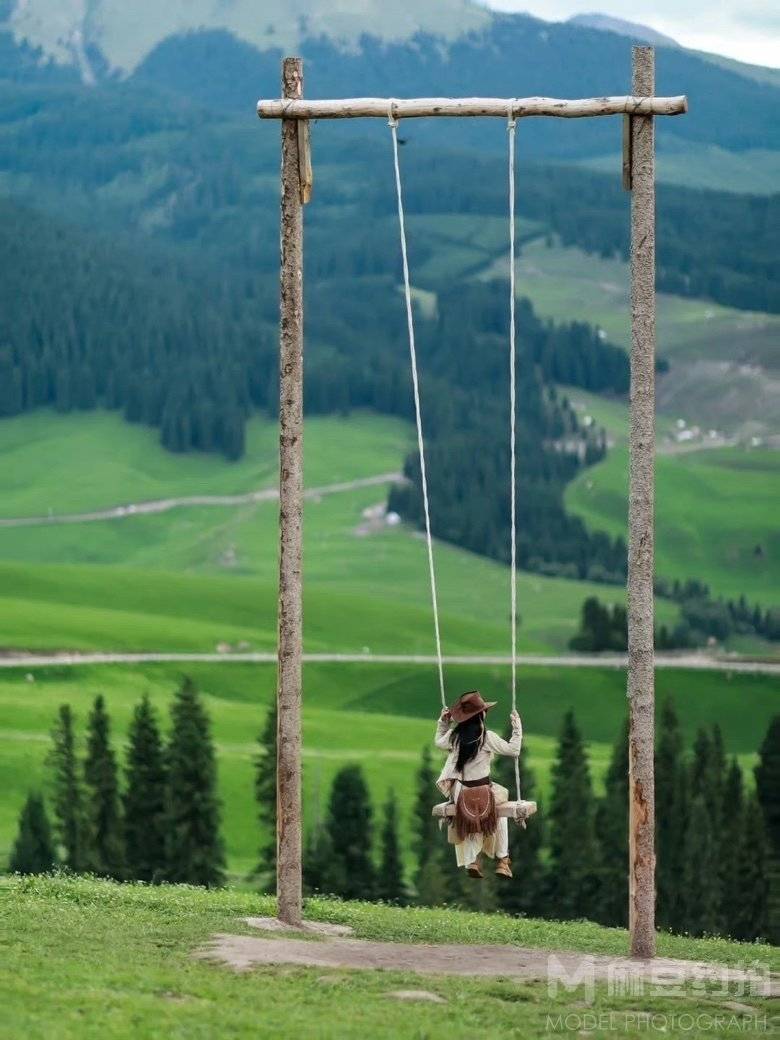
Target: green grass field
<point>711,347</point>
<point>111,608</point>
<point>460,243</point>
<point>162,583</point>
<point>716,509</point>
<point>693,165</point>
<point>103,461</point>
<point>362,590</point>
<point>724,362</point>
<point>380,716</point>
<point>90,960</point>
<point>192,578</point>
<point>565,283</point>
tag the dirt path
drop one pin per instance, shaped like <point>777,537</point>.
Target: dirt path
<point>242,952</point>
<point>698,662</point>
<point>164,505</point>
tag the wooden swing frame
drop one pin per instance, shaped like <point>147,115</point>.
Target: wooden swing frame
<point>638,171</point>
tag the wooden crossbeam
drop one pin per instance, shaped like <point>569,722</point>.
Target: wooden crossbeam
<point>520,108</point>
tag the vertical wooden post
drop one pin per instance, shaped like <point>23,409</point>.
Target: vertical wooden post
<point>290,648</point>
<point>641,670</point>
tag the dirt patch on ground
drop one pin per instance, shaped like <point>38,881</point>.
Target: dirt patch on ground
<point>273,924</point>
<point>243,952</point>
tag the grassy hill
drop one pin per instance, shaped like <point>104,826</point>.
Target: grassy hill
<point>716,508</point>
<point>705,166</point>
<point>724,363</point>
<point>102,461</point>
<point>192,578</point>
<point>226,556</point>
<point>93,959</point>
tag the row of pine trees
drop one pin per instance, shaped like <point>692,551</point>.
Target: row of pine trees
<point>718,843</point>
<point>161,825</point>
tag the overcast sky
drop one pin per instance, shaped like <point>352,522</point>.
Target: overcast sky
<point>748,30</point>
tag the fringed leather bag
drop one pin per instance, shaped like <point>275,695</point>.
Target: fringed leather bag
<point>475,810</point>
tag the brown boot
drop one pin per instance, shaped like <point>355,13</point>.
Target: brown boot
<point>473,870</point>
<point>504,867</point>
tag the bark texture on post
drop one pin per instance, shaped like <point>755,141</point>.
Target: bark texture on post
<point>290,647</point>
<point>641,678</point>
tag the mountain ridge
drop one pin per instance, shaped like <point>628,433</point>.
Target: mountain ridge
<point>124,35</point>
<point>516,56</point>
<point>102,38</point>
<point>634,30</point>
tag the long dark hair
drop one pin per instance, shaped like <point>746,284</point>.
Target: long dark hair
<point>468,736</point>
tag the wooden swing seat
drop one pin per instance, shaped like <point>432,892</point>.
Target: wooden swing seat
<point>512,810</point>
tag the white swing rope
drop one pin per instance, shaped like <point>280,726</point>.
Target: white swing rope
<point>393,124</point>
<point>512,127</point>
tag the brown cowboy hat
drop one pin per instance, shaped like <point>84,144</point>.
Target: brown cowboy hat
<point>468,705</point>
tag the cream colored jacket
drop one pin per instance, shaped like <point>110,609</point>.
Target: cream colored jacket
<point>479,766</point>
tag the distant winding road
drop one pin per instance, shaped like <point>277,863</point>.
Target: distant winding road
<point>164,505</point>
<point>73,659</point>
<point>699,662</point>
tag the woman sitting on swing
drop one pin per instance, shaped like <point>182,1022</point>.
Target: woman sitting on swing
<point>465,780</point>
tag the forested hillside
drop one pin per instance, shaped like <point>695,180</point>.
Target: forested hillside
<point>166,309</point>
<point>133,159</point>
<point>84,324</point>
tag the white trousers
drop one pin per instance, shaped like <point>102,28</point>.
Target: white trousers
<point>494,845</point>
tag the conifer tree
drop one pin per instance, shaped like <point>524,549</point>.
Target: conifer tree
<point>33,851</point>
<point>701,868</point>
<point>767,774</point>
<point>144,799</point>
<point>390,882</point>
<point>525,895</point>
<point>674,916</point>
<point>103,830</point>
<point>612,836</point>
<point>67,792</point>
<point>670,816</point>
<point>194,850</point>
<point>318,870</point>
<point>718,769</point>
<point>265,794</point>
<point>433,883</point>
<point>351,835</point>
<point>751,913</point>
<point>700,759</point>
<point>457,887</point>
<point>707,769</point>
<point>482,895</point>
<point>731,838</point>
<point>702,899</point>
<point>572,880</point>
<point>426,839</point>
<point>318,862</point>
